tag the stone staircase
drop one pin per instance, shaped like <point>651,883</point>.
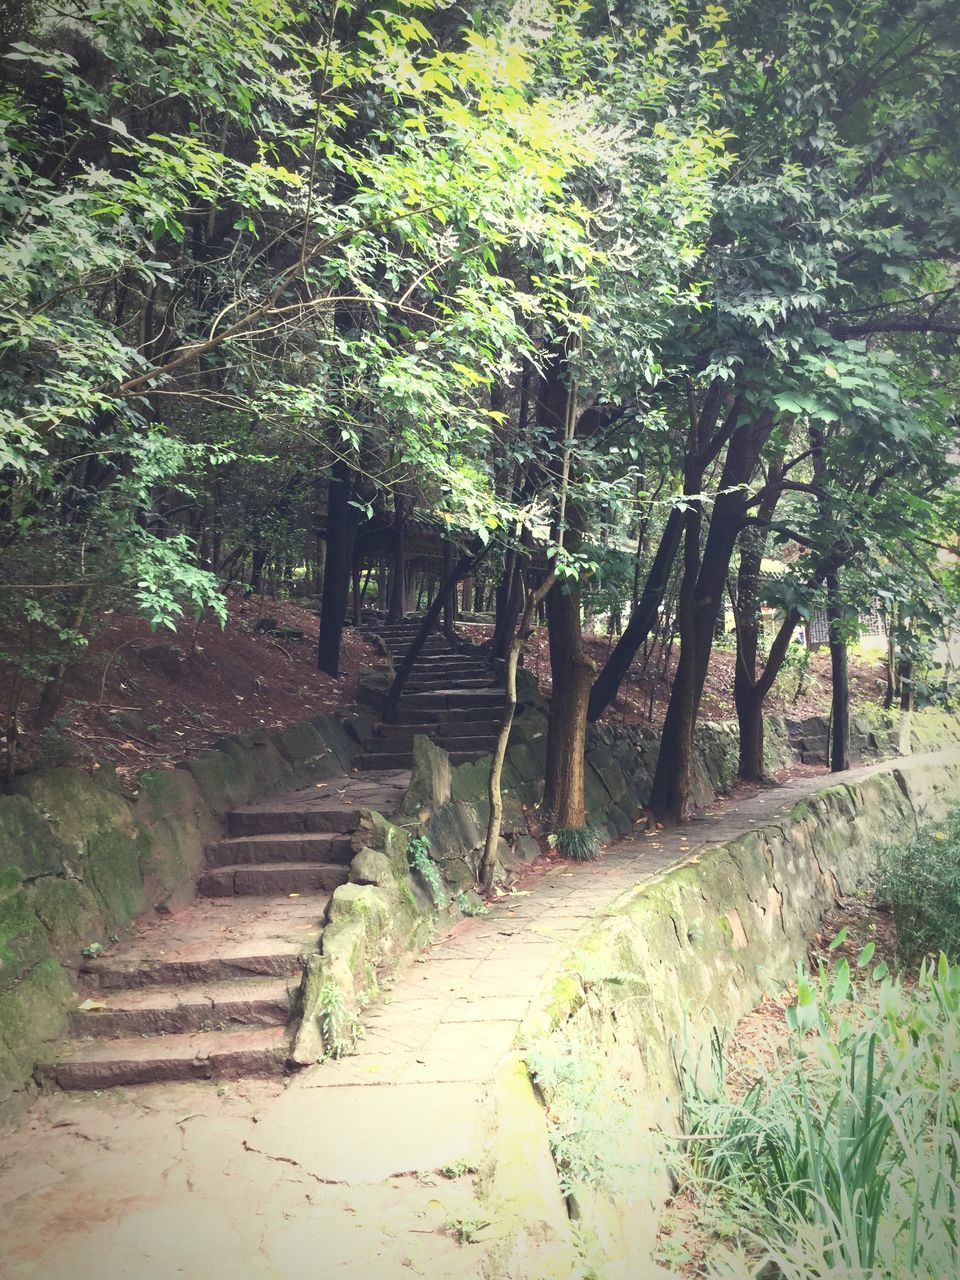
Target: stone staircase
<point>450,695</point>
<point>211,992</point>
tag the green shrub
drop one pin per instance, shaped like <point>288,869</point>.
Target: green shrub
<point>920,882</point>
<point>842,1162</point>
<point>580,843</point>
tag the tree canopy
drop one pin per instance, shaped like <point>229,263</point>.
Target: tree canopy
<point>630,293</point>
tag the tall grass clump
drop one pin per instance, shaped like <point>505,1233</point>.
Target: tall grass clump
<point>920,882</point>
<point>842,1161</point>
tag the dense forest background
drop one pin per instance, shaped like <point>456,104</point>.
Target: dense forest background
<point>639,316</point>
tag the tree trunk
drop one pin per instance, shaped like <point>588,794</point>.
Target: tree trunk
<point>342,523</point>
<point>397,606</point>
<point>356,574</point>
<point>701,596</point>
<point>750,728</point>
<point>256,569</point>
<point>748,703</point>
<point>448,598</point>
<point>572,672</point>
<point>891,663</point>
<point>840,699</point>
<point>488,863</point>
<point>904,747</point>
<point>642,622</point>
<point>670,792</point>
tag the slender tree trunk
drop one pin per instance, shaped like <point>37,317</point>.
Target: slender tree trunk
<point>642,622</point>
<point>321,561</point>
<point>52,693</point>
<point>397,606</point>
<point>342,522</point>
<point>840,699</point>
<point>904,747</point>
<point>356,573</point>
<point>448,598</point>
<point>488,863</point>
<point>891,664</point>
<point>670,793</point>
<point>504,617</point>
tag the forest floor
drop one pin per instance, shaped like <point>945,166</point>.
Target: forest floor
<point>201,683</point>
<point>204,682</point>
<point>802,689</point>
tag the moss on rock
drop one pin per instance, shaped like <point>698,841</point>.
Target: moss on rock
<point>27,840</point>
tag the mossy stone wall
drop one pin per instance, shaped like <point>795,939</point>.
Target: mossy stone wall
<point>671,963</point>
<point>79,859</point>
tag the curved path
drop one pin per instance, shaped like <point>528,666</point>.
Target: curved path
<point>337,1173</point>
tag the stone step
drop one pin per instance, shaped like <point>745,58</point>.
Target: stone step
<point>118,975</point>
<point>439,729</point>
<point>432,649</point>
<point>202,1055</point>
<point>293,846</point>
<point>432,716</point>
<point>283,820</point>
<point>446,686</point>
<point>404,760</point>
<point>448,664</point>
<point>482,743</point>
<point>456,699</point>
<point>267,879</point>
<point>456,679</point>
<point>264,1002</point>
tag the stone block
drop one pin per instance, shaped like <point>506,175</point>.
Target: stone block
<point>27,840</point>
<point>115,875</point>
<point>33,1013</point>
<point>23,939</point>
<point>431,783</point>
<point>69,913</point>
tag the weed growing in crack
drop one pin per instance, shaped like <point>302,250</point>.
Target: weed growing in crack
<point>471,906</point>
<point>418,856</point>
<point>340,1028</point>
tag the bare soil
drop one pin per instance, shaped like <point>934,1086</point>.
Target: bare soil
<point>644,693</point>
<point>228,680</point>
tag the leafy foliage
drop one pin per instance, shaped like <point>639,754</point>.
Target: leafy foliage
<point>843,1160</point>
<point>920,882</point>
<point>418,855</point>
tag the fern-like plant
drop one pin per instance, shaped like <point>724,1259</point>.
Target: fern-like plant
<point>418,856</point>
<point>340,1028</point>
<point>580,843</point>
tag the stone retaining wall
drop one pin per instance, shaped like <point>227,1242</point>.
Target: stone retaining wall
<point>451,803</point>
<point>670,963</point>
<point>79,859</point>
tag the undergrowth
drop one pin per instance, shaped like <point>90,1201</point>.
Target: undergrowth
<point>340,1027</point>
<point>418,856</point>
<point>844,1158</point>
<point>920,882</point>
<point>580,843</point>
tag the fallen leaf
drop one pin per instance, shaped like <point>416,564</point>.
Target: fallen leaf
<point>89,1005</point>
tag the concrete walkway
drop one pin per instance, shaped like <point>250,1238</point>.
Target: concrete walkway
<point>338,1172</point>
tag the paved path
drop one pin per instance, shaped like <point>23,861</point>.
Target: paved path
<point>336,1173</point>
